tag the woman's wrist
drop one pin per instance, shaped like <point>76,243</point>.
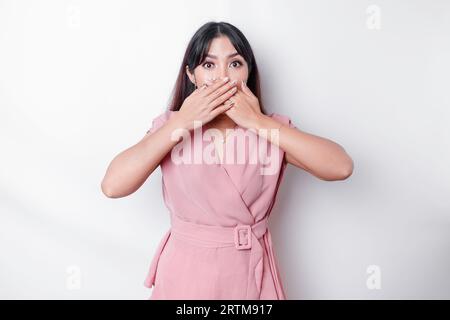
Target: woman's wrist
<point>176,122</point>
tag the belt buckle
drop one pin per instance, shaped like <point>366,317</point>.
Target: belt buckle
<point>247,231</point>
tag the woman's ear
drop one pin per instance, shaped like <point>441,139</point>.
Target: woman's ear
<point>190,75</point>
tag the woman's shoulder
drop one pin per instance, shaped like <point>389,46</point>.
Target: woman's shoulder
<point>165,115</point>
<point>160,119</point>
<point>283,118</point>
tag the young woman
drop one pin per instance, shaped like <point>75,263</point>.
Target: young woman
<point>219,245</point>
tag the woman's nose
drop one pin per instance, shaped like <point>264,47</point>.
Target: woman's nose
<point>223,72</point>
<point>219,74</point>
<point>223,75</point>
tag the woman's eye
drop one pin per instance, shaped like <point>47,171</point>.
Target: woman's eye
<point>238,62</point>
<point>207,63</point>
<point>234,64</point>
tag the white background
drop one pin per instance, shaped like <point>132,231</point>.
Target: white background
<point>81,81</point>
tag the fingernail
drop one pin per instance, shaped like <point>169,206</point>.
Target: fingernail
<point>225,79</point>
<point>234,82</point>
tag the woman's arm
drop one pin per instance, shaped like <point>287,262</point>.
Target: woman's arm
<point>130,168</point>
<point>321,157</point>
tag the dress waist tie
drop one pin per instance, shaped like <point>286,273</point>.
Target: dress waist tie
<point>242,237</point>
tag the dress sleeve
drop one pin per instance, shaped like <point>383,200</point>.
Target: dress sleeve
<point>283,119</point>
<point>158,121</point>
<point>286,121</point>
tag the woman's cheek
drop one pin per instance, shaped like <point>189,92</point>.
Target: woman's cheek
<point>241,76</point>
<point>204,76</point>
<point>239,79</point>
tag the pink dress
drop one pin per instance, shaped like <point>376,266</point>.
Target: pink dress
<point>219,245</point>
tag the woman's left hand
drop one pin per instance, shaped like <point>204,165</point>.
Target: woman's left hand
<point>246,110</point>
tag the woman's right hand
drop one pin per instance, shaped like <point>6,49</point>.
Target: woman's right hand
<point>206,102</point>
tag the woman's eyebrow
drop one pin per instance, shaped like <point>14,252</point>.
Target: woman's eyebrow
<point>229,56</point>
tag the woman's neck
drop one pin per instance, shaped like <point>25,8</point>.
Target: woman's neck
<point>221,122</point>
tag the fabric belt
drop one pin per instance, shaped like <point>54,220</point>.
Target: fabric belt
<point>242,237</point>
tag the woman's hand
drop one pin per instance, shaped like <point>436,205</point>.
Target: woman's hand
<point>206,102</point>
<point>245,110</point>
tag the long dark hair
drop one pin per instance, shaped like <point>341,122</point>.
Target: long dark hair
<point>198,48</point>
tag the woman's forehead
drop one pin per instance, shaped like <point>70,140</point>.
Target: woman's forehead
<point>221,47</point>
